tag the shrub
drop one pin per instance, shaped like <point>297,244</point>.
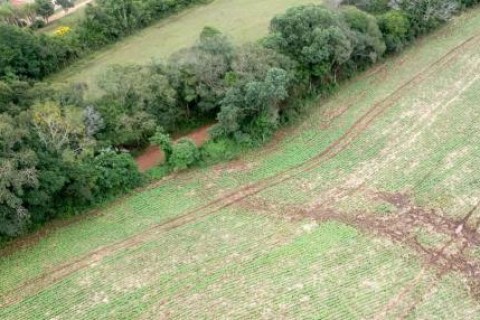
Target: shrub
<point>372,6</point>
<point>164,142</point>
<point>395,27</point>
<point>62,31</point>
<point>117,173</point>
<point>426,15</point>
<point>184,154</point>
<point>366,38</point>
<point>38,24</point>
<point>250,111</point>
<point>219,150</point>
<point>468,3</point>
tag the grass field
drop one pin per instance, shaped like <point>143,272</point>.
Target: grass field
<point>69,19</point>
<point>241,20</point>
<point>367,209</point>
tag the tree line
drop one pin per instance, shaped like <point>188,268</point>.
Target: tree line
<point>31,14</point>
<point>61,153</point>
<point>26,54</point>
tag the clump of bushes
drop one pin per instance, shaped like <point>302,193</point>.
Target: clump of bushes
<point>219,150</point>
<point>179,155</point>
<point>184,155</point>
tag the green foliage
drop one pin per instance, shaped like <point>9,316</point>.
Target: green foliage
<point>219,150</point>
<point>163,140</point>
<point>468,3</point>
<point>198,73</point>
<point>372,6</point>
<point>59,128</point>
<point>65,4</point>
<point>133,90</point>
<point>50,163</point>
<point>250,111</point>
<point>26,54</point>
<point>44,8</point>
<point>395,27</point>
<point>426,15</point>
<point>366,37</point>
<point>17,173</point>
<point>315,36</point>
<point>184,155</point>
<point>117,173</point>
<point>38,24</point>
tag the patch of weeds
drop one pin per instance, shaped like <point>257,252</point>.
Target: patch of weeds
<point>158,172</point>
<point>384,208</point>
<point>430,238</point>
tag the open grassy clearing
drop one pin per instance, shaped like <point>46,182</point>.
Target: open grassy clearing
<point>69,20</point>
<point>242,20</point>
<point>393,170</point>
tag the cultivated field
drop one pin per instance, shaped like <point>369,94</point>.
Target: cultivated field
<point>242,20</point>
<point>369,209</point>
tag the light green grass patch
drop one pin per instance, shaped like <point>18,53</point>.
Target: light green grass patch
<point>206,268</point>
<point>241,20</point>
<point>449,299</point>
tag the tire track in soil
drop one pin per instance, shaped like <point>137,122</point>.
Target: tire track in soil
<point>55,275</point>
<point>473,267</point>
<point>400,228</point>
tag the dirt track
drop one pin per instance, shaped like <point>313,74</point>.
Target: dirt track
<point>61,14</point>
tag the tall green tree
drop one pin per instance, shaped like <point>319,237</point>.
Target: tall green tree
<point>198,73</point>
<point>17,173</point>
<point>45,8</point>
<point>425,15</point>
<point>366,38</point>
<point>65,4</point>
<point>250,112</point>
<point>316,37</point>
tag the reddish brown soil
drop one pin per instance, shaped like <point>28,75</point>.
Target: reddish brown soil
<point>153,156</point>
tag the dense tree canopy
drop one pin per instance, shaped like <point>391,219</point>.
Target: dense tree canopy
<point>65,4</point>
<point>314,36</point>
<point>44,8</point>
